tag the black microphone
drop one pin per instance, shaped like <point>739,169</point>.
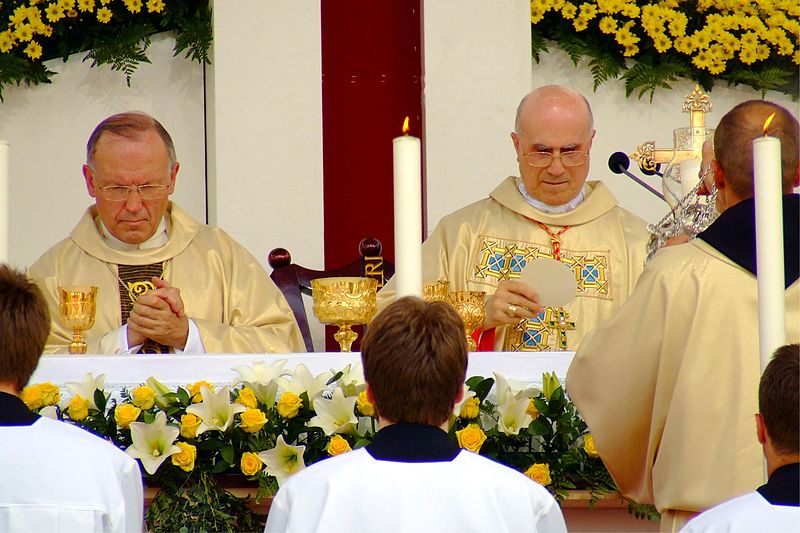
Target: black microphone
<point>619,162</point>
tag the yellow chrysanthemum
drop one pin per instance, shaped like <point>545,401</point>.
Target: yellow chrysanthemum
<point>701,40</point>
<point>6,41</point>
<point>24,33</point>
<point>47,31</point>
<point>796,57</point>
<point>66,5</point>
<point>568,11</point>
<point>662,43</point>
<point>134,6</point>
<point>86,5</point>
<point>677,25</point>
<point>580,24</point>
<point>588,11</point>
<point>54,12</point>
<point>19,16</point>
<point>683,45</point>
<point>747,54</point>
<point>630,51</point>
<point>608,25</point>
<point>155,6</point>
<point>104,15</point>
<point>631,11</point>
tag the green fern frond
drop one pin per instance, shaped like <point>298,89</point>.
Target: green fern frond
<point>125,54</point>
<point>538,45</point>
<point>647,78</point>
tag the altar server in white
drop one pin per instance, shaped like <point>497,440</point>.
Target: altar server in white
<point>54,477</point>
<point>773,507</point>
<point>413,477</point>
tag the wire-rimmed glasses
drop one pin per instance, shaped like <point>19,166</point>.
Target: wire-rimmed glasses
<point>571,158</point>
<point>118,193</point>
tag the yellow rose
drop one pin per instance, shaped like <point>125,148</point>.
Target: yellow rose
<point>185,458</point>
<point>78,408</point>
<point>471,408</point>
<point>194,390</point>
<point>250,464</point>
<point>471,438</point>
<point>532,410</point>
<point>247,398</point>
<point>252,420</point>
<point>51,394</point>
<point>143,397</point>
<point>189,425</point>
<point>337,445</point>
<point>540,473</point>
<point>364,405</point>
<point>588,445</point>
<point>33,397</point>
<point>289,404</point>
<point>125,414</point>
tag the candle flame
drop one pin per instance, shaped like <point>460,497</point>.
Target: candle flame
<point>405,126</point>
<point>768,122</point>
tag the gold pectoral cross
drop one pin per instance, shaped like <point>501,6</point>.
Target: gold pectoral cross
<point>561,323</point>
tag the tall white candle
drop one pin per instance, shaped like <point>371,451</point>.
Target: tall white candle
<point>690,175</point>
<point>5,201</point>
<point>769,246</point>
<point>407,215</point>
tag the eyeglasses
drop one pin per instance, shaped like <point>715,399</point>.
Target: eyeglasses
<point>118,193</point>
<point>545,159</point>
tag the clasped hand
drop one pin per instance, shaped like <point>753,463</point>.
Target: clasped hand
<point>159,315</point>
<point>511,302</point>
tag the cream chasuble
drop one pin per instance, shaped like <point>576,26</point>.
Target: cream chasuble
<point>235,305</point>
<point>484,243</point>
<point>669,385</point>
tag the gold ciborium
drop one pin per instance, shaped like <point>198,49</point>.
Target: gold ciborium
<point>78,304</point>
<point>344,301</point>
<point>471,307</point>
<point>432,292</point>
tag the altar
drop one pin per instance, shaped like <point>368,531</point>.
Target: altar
<point>127,371</point>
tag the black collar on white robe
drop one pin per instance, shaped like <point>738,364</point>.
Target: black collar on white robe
<point>734,235</point>
<point>14,412</point>
<point>412,443</point>
<point>783,486</point>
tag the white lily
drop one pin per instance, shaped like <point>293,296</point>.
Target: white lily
<point>49,411</point>
<point>336,415</point>
<point>216,410</point>
<point>302,381</point>
<point>467,395</point>
<point>283,460</point>
<point>262,377</point>
<point>508,389</point>
<point>352,379</point>
<point>512,416</point>
<point>85,389</point>
<point>153,443</point>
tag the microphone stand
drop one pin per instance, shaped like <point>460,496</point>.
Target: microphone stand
<point>619,162</point>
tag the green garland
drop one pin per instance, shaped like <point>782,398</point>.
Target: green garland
<point>113,32</point>
<point>650,45</point>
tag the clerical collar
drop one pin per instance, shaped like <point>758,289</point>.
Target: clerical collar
<point>159,239</point>
<point>412,443</point>
<point>550,209</point>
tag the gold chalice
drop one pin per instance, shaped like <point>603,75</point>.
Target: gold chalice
<point>344,301</point>
<point>471,307</point>
<point>432,292</point>
<point>78,304</point>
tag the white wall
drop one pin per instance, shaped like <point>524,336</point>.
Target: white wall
<point>48,125</point>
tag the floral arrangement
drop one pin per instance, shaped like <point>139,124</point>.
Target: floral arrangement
<point>272,422</point>
<point>649,44</point>
<point>114,32</point>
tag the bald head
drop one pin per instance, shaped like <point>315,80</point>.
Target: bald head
<point>733,140</point>
<point>550,96</point>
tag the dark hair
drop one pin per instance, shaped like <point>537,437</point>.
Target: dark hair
<point>779,399</point>
<point>415,361</point>
<point>733,143</point>
<point>129,125</point>
<point>24,326</point>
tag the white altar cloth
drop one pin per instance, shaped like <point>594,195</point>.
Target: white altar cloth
<point>125,371</point>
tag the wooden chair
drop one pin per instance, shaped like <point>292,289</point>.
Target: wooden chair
<point>294,280</point>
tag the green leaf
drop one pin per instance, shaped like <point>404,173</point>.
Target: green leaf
<point>100,400</point>
<point>228,454</point>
